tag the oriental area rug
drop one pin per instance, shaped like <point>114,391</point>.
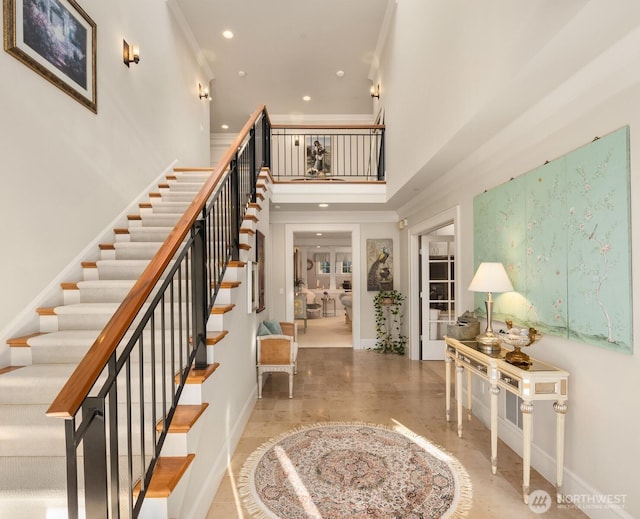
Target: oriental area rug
<point>353,471</point>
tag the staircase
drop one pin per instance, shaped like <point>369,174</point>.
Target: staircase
<point>32,445</point>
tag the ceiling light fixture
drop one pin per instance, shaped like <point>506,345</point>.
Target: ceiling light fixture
<point>340,73</point>
<point>225,126</point>
<point>323,205</point>
<point>242,73</point>
<point>375,91</point>
<point>318,234</point>
<point>306,98</point>
<point>227,34</point>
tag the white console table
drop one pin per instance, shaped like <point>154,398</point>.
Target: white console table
<point>538,382</point>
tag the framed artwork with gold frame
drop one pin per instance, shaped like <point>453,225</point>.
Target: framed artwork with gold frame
<point>56,39</point>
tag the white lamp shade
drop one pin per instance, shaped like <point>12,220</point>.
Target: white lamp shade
<point>491,277</point>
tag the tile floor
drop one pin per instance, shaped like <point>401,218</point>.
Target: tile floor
<point>356,385</point>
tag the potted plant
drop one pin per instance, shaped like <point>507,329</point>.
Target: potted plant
<point>389,317</point>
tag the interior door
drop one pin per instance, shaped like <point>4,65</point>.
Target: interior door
<point>437,290</point>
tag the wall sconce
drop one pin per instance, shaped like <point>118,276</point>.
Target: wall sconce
<point>130,53</point>
<point>403,223</point>
<point>203,93</point>
<point>375,91</point>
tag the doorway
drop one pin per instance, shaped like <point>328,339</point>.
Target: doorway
<point>323,259</point>
<point>433,248</point>
<point>323,266</point>
<point>437,289</point>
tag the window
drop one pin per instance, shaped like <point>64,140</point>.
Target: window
<point>343,263</point>
<point>323,263</point>
<point>343,267</point>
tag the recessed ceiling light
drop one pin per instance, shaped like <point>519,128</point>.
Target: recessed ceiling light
<point>340,73</point>
<point>306,98</point>
<point>242,73</point>
<point>225,127</point>
<point>323,205</point>
<point>318,234</point>
<point>227,34</point>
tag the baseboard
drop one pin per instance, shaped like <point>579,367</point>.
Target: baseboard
<point>575,488</point>
<point>202,503</point>
<point>365,344</point>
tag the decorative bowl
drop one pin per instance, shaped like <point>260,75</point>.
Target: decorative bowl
<point>518,340</point>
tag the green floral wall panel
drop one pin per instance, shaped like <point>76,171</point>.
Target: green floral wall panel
<point>563,233</point>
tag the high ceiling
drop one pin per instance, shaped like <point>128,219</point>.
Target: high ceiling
<point>282,50</point>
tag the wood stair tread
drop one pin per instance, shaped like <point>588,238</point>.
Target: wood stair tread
<point>166,476</point>
<point>230,284</point>
<point>184,418</point>
<point>222,309</point>
<point>9,369</point>
<point>23,341</point>
<point>198,376</point>
<point>216,337</point>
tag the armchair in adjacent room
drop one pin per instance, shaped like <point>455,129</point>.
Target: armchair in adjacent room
<point>314,308</point>
<point>278,353</point>
<point>346,299</point>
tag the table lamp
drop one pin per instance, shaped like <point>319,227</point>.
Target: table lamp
<point>489,278</point>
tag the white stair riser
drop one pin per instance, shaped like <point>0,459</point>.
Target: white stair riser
<point>175,196</point>
<point>161,207</point>
<point>169,507</point>
<point>156,220</point>
<point>145,234</point>
<point>132,250</point>
<point>183,187</point>
<point>195,177</point>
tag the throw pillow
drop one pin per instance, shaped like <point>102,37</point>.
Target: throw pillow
<point>263,330</point>
<point>274,327</point>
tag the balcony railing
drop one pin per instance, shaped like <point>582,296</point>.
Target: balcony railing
<point>327,152</point>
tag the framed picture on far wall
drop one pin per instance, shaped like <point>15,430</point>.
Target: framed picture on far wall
<point>56,39</point>
<point>379,264</point>
<point>318,155</point>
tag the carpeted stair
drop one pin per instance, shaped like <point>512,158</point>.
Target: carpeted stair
<point>32,447</point>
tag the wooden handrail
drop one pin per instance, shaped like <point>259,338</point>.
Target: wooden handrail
<point>77,388</point>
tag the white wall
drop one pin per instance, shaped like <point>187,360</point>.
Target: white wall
<point>60,161</point>
<point>592,94</point>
